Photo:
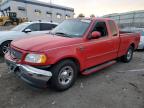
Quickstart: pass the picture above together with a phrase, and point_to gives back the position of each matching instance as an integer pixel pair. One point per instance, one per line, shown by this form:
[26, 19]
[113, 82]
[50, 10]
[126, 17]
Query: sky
[100, 7]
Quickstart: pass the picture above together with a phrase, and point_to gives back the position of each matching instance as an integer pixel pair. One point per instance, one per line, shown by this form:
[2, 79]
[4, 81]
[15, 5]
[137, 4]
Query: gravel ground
[118, 86]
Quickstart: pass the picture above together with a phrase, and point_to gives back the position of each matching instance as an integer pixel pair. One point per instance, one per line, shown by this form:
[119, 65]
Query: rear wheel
[64, 75]
[7, 24]
[128, 56]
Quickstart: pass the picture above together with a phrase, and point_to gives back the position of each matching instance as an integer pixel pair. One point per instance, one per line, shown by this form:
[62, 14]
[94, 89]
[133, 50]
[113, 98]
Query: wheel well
[72, 59]
[133, 45]
[6, 41]
[7, 22]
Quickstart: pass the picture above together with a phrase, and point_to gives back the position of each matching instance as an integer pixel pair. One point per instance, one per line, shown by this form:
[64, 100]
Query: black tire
[7, 24]
[2, 47]
[57, 71]
[128, 56]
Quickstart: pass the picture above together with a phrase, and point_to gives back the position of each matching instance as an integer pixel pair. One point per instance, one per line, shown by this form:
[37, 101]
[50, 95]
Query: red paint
[98, 68]
[87, 52]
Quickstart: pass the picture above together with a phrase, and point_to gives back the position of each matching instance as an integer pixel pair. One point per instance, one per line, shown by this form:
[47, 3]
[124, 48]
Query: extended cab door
[114, 32]
[99, 50]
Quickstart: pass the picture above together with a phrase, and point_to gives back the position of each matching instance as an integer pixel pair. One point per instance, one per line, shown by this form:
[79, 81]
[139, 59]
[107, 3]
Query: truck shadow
[80, 80]
[140, 50]
[2, 59]
[20, 86]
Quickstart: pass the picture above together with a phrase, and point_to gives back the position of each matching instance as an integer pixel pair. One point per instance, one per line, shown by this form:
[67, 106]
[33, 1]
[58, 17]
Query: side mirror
[95, 34]
[27, 30]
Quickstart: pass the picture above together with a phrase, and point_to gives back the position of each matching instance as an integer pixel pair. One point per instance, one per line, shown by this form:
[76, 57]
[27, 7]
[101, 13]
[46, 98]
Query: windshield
[72, 28]
[20, 27]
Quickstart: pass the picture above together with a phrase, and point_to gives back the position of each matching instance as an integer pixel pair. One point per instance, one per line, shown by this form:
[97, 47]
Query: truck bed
[128, 33]
[126, 38]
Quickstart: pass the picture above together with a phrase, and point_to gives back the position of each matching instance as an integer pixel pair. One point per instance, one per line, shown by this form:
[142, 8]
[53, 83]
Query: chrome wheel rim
[66, 75]
[129, 54]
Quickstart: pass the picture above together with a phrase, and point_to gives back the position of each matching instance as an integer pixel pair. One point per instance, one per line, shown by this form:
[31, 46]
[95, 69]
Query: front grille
[15, 54]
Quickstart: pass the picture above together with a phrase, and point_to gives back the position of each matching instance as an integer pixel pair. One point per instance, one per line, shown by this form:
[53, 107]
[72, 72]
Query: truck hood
[44, 42]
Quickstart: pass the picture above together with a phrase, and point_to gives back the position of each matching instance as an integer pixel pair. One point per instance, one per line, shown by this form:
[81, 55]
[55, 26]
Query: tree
[81, 15]
[1, 1]
[92, 16]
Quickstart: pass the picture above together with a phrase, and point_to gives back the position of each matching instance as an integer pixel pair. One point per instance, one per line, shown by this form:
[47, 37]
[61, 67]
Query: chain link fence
[4, 28]
[128, 19]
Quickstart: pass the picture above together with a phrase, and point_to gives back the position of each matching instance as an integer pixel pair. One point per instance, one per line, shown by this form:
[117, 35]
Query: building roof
[44, 4]
[124, 13]
[35, 2]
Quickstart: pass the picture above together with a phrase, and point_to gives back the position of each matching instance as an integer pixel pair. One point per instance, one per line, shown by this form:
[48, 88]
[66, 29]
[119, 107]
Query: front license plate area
[11, 66]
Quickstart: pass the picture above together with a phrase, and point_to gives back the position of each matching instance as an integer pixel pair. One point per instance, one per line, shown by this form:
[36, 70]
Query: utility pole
[51, 11]
[133, 20]
[50, 1]
[0, 4]
[1, 13]
[26, 9]
[0, 1]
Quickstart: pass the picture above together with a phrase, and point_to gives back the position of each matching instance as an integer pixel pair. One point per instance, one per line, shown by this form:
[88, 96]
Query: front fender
[57, 55]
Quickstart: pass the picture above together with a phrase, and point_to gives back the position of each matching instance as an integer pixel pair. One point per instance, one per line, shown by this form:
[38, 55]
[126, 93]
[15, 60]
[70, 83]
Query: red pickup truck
[75, 46]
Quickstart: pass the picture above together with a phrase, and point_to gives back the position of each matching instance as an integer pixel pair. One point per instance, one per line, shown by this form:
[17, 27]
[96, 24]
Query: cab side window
[34, 27]
[102, 28]
[113, 28]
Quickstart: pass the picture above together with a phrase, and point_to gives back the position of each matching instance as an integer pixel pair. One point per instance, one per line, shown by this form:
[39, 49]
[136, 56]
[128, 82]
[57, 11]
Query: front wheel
[7, 24]
[4, 48]
[128, 56]
[64, 75]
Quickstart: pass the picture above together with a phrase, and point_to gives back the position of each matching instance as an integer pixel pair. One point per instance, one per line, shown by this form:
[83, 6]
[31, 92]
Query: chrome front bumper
[31, 75]
[35, 73]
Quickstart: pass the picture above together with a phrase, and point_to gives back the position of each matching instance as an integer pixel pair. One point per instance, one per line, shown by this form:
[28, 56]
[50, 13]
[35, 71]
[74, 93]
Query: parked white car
[137, 30]
[22, 31]
[141, 44]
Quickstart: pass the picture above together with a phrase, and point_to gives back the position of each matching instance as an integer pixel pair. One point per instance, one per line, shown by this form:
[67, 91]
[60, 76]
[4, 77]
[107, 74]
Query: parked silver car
[22, 31]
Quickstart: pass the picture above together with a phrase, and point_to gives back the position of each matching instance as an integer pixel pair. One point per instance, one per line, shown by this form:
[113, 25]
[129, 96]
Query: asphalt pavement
[118, 86]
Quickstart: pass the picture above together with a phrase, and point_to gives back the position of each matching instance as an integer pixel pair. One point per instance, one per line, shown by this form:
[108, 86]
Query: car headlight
[36, 58]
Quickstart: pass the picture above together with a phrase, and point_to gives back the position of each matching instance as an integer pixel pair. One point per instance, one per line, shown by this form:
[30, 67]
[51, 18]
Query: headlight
[36, 58]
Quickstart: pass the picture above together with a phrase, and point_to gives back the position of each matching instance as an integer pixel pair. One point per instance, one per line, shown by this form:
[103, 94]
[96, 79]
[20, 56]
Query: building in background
[128, 19]
[35, 10]
[1, 1]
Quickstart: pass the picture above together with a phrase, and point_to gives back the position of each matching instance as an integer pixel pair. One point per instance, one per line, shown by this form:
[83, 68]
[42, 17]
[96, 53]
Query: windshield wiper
[62, 34]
